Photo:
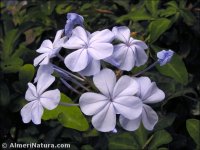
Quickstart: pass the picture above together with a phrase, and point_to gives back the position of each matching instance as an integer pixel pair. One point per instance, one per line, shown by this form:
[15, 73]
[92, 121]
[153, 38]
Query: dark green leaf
[152, 6]
[193, 126]
[188, 17]
[141, 135]
[167, 12]
[175, 69]
[160, 138]
[26, 73]
[124, 141]
[68, 116]
[157, 28]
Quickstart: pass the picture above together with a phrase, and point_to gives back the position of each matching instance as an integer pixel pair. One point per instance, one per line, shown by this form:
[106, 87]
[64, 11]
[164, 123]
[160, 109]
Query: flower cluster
[127, 97]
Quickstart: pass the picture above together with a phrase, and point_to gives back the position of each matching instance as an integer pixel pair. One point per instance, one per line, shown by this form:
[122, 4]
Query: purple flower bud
[164, 56]
[72, 20]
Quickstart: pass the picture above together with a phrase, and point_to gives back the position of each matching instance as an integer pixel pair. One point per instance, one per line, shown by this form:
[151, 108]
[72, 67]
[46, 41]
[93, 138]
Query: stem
[69, 86]
[67, 72]
[60, 57]
[146, 69]
[147, 142]
[67, 104]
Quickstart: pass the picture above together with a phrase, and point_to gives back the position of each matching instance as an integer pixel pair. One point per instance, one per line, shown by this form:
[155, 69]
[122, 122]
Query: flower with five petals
[38, 99]
[116, 98]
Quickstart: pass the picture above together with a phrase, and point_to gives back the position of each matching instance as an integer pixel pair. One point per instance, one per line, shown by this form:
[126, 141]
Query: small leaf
[157, 28]
[26, 73]
[160, 138]
[68, 116]
[188, 17]
[167, 12]
[141, 135]
[124, 141]
[152, 6]
[193, 126]
[175, 69]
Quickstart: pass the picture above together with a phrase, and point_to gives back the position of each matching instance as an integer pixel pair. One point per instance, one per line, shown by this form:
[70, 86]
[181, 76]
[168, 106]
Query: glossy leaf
[68, 116]
[124, 141]
[160, 138]
[157, 28]
[193, 126]
[175, 69]
[26, 73]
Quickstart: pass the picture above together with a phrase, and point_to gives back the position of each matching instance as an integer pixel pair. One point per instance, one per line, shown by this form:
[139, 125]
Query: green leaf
[152, 6]
[175, 69]
[165, 121]
[136, 16]
[26, 73]
[141, 135]
[4, 94]
[63, 8]
[68, 116]
[124, 141]
[188, 17]
[11, 65]
[172, 4]
[157, 28]
[193, 126]
[167, 12]
[160, 138]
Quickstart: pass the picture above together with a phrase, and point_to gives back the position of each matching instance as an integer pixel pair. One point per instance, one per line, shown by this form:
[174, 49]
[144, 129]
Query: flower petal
[156, 95]
[37, 111]
[91, 103]
[31, 93]
[130, 125]
[58, 35]
[100, 50]
[92, 68]
[105, 81]
[40, 58]
[103, 36]
[149, 117]
[50, 99]
[26, 112]
[139, 43]
[77, 60]
[48, 69]
[125, 86]
[44, 81]
[121, 33]
[74, 42]
[144, 86]
[128, 59]
[45, 47]
[128, 106]
[140, 55]
[105, 120]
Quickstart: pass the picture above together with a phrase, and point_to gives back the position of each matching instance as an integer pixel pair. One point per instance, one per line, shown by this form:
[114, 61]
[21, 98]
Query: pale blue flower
[117, 97]
[49, 50]
[38, 99]
[164, 56]
[149, 93]
[129, 53]
[90, 49]
[72, 20]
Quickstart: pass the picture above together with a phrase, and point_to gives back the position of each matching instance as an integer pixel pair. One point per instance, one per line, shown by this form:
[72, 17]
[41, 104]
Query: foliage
[166, 24]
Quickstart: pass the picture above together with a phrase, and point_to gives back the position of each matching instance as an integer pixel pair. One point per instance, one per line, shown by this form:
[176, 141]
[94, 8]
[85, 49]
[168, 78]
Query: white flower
[149, 93]
[38, 99]
[49, 50]
[47, 69]
[116, 98]
[128, 54]
[90, 48]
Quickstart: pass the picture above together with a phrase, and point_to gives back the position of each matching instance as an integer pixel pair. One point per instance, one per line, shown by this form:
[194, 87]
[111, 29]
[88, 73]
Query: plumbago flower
[38, 99]
[49, 50]
[129, 53]
[72, 20]
[164, 56]
[90, 48]
[149, 93]
[116, 98]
